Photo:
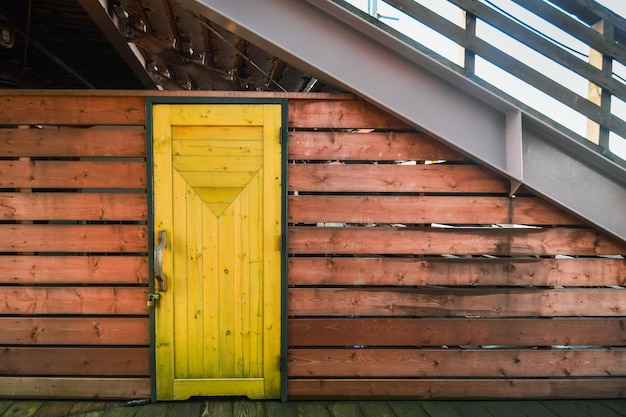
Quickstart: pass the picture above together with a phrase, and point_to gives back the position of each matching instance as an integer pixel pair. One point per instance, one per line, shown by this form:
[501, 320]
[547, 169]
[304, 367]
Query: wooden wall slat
[72, 142]
[349, 271]
[530, 332]
[466, 388]
[333, 146]
[431, 209]
[339, 114]
[63, 311]
[397, 209]
[74, 331]
[80, 361]
[455, 363]
[394, 178]
[533, 210]
[72, 110]
[449, 302]
[459, 241]
[73, 300]
[370, 271]
[74, 388]
[73, 206]
[118, 238]
[73, 174]
[37, 269]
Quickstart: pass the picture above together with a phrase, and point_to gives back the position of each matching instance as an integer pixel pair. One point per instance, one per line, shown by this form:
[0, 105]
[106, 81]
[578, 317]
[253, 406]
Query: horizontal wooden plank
[179, 93]
[458, 241]
[418, 209]
[75, 361]
[34, 269]
[73, 174]
[74, 331]
[340, 271]
[340, 114]
[72, 110]
[371, 146]
[215, 147]
[196, 136]
[74, 388]
[229, 114]
[531, 210]
[409, 302]
[72, 142]
[205, 164]
[397, 209]
[219, 387]
[456, 332]
[74, 206]
[117, 238]
[456, 363]
[216, 179]
[466, 388]
[73, 300]
[436, 178]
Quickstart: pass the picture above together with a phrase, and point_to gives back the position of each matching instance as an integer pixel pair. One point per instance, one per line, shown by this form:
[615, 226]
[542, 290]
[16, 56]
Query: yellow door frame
[153, 244]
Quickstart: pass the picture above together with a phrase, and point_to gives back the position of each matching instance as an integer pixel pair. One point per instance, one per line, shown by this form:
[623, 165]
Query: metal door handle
[158, 260]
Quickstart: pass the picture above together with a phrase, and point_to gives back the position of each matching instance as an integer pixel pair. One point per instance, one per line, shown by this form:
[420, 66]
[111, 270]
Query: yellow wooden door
[217, 196]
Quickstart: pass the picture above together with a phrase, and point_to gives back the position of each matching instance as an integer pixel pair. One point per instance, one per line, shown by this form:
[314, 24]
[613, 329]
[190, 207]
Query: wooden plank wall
[73, 254]
[406, 277]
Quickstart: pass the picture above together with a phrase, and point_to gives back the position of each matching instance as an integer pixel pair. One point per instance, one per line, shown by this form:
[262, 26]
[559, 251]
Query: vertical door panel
[217, 193]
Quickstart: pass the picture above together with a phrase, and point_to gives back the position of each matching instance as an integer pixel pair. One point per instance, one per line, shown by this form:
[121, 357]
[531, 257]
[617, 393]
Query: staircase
[345, 46]
[562, 61]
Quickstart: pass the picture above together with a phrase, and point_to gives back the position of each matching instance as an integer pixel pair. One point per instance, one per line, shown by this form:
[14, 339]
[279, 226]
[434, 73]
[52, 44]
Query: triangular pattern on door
[218, 199]
[224, 187]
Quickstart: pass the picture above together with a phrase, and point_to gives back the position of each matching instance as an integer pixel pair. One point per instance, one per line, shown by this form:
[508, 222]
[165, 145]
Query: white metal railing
[563, 62]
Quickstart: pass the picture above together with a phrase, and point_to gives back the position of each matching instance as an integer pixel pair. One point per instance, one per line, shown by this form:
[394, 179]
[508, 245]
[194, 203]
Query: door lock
[152, 298]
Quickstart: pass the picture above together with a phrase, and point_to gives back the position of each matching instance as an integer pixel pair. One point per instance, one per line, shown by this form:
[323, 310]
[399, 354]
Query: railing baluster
[605, 40]
[601, 96]
[470, 32]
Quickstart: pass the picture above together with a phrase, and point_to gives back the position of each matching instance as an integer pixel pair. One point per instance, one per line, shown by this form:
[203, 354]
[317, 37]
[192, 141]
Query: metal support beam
[339, 47]
[574, 179]
[129, 53]
[513, 134]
